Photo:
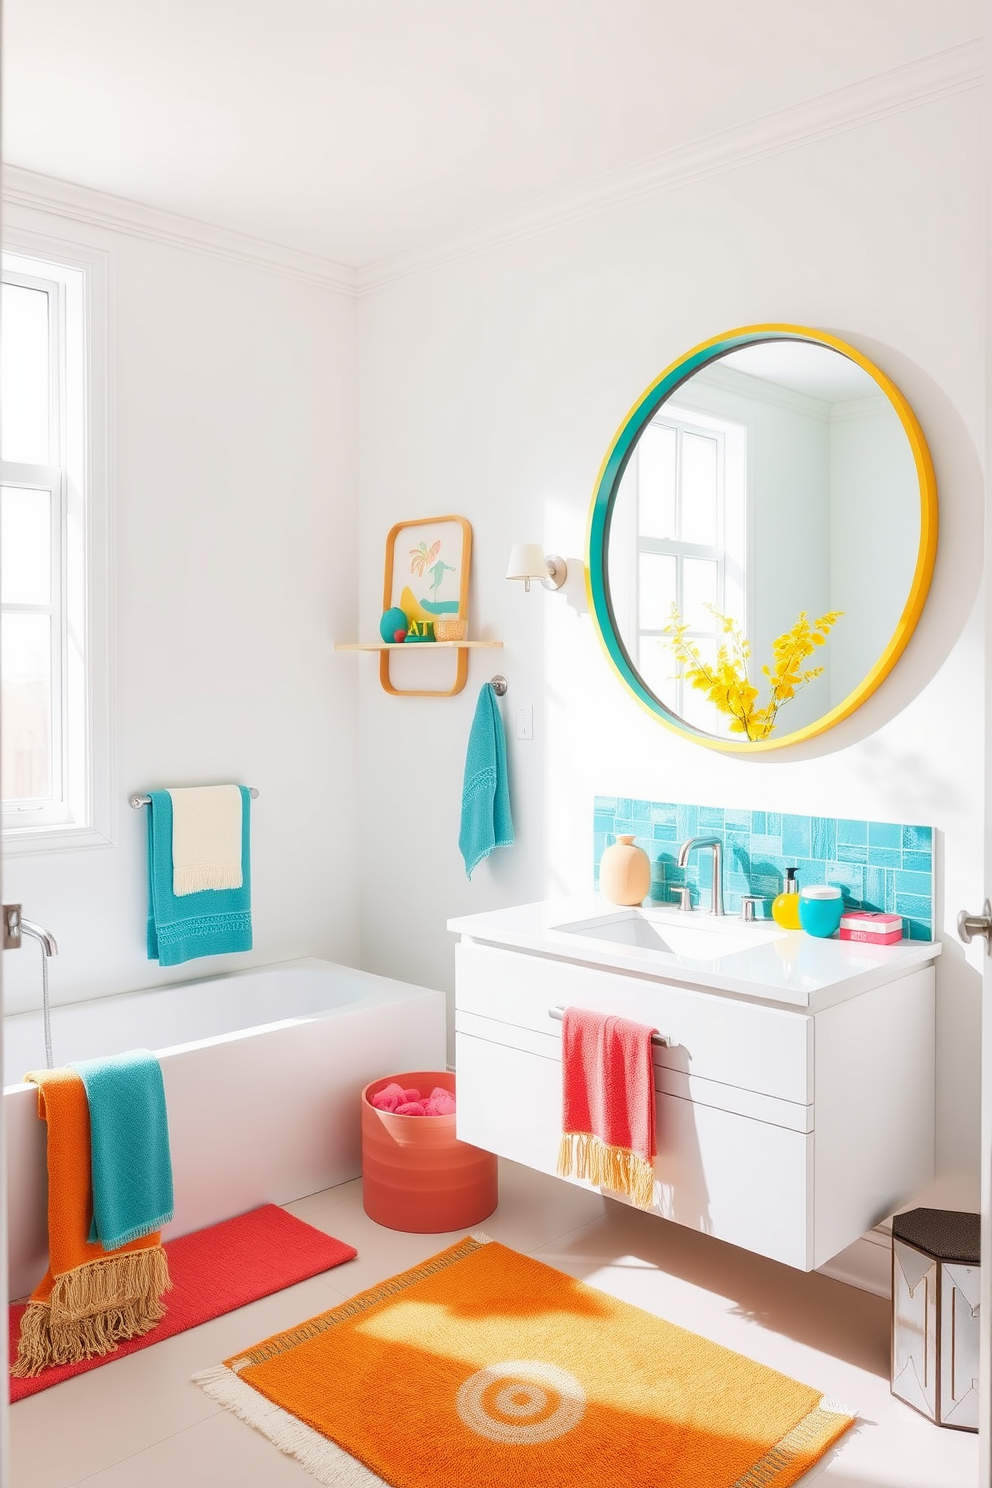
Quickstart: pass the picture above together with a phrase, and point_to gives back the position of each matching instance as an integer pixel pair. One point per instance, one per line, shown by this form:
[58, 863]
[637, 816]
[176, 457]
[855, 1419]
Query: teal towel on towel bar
[486, 821]
[129, 1146]
[211, 922]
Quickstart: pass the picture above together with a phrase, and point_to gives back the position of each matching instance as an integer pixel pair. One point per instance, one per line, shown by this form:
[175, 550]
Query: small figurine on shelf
[394, 625]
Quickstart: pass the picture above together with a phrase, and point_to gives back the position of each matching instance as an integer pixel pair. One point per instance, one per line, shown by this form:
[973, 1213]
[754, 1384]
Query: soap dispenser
[785, 909]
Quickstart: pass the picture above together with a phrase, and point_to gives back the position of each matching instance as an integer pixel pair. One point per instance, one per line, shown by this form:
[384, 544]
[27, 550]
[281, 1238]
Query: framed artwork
[426, 576]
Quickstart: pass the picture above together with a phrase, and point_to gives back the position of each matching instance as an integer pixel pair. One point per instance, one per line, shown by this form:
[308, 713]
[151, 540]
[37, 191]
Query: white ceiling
[360, 129]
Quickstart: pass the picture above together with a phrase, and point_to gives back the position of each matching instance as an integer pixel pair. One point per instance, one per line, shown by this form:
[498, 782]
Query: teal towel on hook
[212, 922]
[486, 822]
[129, 1146]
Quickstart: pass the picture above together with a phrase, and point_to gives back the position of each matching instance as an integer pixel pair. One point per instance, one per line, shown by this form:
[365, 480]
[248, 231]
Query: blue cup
[820, 909]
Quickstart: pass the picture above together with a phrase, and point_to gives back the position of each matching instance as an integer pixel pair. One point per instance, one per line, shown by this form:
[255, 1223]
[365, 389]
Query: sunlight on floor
[141, 1421]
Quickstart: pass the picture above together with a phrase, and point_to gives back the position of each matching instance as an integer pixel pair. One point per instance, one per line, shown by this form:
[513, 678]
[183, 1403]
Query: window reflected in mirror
[762, 538]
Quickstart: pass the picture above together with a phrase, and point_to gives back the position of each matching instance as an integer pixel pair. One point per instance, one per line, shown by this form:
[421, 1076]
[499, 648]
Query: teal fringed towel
[131, 1165]
[486, 821]
[211, 922]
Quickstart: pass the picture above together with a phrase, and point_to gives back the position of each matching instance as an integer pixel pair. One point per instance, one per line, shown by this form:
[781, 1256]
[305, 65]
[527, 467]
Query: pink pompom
[410, 1108]
[412, 1095]
[442, 1091]
[388, 1098]
[442, 1104]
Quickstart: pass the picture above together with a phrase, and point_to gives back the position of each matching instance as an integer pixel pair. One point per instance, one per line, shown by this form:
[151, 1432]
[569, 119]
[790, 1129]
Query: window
[52, 535]
[683, 508]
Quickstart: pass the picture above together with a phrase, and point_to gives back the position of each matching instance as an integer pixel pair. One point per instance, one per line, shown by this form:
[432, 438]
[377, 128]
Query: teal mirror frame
[611, 474]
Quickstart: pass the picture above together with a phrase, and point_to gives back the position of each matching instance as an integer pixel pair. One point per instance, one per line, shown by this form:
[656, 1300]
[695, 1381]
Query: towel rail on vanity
[660, 1039]
[137, 800]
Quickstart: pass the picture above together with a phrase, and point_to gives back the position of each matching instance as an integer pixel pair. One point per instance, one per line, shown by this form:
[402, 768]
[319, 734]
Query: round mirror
[762, 538]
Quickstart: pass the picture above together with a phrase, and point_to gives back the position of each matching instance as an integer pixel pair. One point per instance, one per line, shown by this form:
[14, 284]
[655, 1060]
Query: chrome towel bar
[656, 1038]
[137, 800]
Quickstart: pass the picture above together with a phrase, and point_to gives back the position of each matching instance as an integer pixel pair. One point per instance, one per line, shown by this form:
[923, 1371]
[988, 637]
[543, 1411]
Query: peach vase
[624, 873]
[416, 1175]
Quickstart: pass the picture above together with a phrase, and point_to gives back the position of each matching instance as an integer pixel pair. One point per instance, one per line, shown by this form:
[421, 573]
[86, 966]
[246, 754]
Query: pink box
[874, 929]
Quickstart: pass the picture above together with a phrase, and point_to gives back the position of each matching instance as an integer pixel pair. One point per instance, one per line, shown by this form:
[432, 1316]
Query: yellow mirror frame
[611, 473]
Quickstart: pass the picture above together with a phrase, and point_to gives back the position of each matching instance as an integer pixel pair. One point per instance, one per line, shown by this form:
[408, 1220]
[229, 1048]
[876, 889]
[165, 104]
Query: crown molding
[956, 70]
[39, 193]
[745, 385]
[942, 75]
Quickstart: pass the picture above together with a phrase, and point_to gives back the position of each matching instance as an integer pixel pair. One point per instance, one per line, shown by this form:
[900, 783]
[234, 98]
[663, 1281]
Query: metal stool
[936, 1283]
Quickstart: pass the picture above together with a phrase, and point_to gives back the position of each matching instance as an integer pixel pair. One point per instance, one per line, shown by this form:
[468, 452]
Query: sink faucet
[716, 899]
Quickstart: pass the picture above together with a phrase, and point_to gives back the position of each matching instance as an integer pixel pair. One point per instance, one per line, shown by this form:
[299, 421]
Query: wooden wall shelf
[413, 645]
[384, 647]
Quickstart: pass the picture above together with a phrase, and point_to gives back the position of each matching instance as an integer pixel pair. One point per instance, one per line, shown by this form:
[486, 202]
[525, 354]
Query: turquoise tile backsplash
[879, 865]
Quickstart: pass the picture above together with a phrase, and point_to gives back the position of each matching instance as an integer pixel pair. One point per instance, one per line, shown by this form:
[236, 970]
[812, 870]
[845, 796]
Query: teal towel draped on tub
[212, 922]
[486, 822]
[129, 1146]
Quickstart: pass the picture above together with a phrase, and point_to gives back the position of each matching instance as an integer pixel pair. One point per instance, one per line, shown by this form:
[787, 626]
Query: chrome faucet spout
[49, 948]
[716, 897]
[47, 940]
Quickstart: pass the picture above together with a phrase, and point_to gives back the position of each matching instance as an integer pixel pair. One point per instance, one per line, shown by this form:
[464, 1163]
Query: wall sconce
[529, 561]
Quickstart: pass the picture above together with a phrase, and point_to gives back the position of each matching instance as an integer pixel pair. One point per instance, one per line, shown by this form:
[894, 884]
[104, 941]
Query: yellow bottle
[785, 909]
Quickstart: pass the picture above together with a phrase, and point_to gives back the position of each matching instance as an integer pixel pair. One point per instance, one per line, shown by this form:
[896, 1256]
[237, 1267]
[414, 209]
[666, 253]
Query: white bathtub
[262, 1071]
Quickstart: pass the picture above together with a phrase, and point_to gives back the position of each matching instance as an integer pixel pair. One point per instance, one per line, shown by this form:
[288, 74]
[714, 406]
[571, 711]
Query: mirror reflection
[763, 539]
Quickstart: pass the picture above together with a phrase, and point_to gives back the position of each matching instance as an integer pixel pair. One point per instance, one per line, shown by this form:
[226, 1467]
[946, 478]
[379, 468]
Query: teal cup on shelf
[820, 909]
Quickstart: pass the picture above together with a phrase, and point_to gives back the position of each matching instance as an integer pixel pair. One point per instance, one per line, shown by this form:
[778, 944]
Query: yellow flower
[726, 682]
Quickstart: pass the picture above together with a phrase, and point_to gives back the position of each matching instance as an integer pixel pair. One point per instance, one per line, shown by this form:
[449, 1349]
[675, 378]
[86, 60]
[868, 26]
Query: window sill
[18, 841]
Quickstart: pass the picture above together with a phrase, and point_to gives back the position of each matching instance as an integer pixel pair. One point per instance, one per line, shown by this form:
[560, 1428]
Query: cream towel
[206, 838]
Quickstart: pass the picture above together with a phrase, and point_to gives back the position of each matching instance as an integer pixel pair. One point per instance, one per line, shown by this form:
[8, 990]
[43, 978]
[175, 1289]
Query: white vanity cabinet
[788, 1127]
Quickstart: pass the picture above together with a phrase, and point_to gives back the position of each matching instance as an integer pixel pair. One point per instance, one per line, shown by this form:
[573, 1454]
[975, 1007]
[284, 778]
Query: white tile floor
[140, 1423]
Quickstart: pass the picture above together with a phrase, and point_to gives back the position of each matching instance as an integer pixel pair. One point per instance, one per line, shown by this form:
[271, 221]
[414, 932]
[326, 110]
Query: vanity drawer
[744, 1181]
[667, 1081]
[757, 1048]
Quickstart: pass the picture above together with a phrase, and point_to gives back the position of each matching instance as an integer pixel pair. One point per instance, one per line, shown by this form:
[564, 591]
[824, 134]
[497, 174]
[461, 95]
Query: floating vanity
[794, 1077]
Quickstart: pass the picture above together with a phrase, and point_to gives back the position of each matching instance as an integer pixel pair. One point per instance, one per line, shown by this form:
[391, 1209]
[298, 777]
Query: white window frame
[690, 421]
[52, 479]
[84, 816]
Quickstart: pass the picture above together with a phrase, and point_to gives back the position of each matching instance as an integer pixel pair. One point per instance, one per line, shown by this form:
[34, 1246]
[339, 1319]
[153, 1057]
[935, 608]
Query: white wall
[233, 441]
[493, 387]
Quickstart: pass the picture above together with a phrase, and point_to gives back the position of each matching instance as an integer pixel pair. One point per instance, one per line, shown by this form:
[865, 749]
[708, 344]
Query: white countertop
[723, 954]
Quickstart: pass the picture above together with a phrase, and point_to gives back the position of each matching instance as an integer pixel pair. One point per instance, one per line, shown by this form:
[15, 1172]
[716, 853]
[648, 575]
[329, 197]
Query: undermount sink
[690, 939]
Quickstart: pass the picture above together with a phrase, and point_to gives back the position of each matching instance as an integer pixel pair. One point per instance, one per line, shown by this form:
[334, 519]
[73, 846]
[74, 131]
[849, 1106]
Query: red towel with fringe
[608, 1118]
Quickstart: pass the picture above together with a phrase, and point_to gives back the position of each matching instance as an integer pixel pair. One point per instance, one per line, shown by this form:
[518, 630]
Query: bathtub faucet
[14, 927]
[46, 939]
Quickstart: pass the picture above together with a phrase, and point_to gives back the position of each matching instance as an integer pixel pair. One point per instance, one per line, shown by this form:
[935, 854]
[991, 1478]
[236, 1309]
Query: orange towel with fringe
[89, 1299]
[608, 1126]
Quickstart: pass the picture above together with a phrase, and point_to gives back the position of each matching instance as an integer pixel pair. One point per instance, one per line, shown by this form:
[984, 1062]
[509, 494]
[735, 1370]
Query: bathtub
[262, 1070]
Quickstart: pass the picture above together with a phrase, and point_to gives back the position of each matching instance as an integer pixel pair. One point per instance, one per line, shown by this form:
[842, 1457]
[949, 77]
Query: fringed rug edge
[787, 1461]
[322, 1458]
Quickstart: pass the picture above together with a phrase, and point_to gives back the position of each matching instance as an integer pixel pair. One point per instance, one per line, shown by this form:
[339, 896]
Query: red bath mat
[213, 1271]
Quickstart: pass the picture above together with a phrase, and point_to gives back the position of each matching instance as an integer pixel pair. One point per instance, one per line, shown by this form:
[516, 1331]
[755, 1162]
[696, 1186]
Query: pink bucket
[416, 1175]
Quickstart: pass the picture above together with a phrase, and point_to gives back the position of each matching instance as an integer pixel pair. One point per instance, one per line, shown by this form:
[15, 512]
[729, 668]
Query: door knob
[970, 925]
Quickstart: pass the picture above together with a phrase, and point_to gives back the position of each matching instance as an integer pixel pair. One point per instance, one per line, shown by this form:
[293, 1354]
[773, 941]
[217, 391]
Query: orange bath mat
[485, 1367]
